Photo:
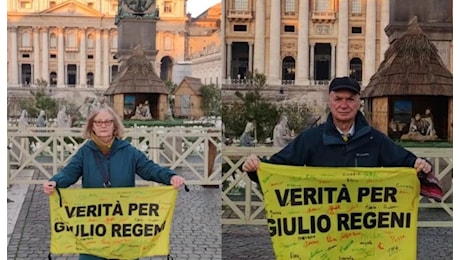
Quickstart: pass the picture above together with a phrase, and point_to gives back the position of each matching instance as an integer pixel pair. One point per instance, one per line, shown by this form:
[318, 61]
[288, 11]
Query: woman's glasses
[106, 123]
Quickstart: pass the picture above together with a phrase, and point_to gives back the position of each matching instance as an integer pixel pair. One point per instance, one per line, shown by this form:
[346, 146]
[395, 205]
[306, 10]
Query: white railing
[242, 199]
[196, 151]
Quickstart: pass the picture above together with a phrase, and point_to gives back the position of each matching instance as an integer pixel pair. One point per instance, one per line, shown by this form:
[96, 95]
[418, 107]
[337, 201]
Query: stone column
[250, 60]
[275, 45]
[342, 40]
[13, 78]
[332, 60]
[302, 67]
[97, 54]
[312, 62]
[384, 21]
[222, 40]
[45, 55]
[61, 53]
[259, 41]
[36, 48]
[105, 59]
[369, 57]
[229, 59]
[83, 57]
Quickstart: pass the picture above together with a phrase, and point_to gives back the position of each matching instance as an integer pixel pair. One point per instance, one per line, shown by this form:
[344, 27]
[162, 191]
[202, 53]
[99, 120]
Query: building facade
[307, 42]
[72, 44]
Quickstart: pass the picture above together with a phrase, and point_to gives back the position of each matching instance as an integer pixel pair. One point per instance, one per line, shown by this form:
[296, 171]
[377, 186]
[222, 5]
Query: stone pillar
[36, 48]
[369, 57]
[302, 67]
[259, 42]
[384, 21]
[97, 53]
[222, 40]
[333, 60]
[275, 45]
[229, 59]
[105, 59]
[45, 55]
[83, 57]
[250, 60]
[342, 40]
[13, 79]
[312, 62]
[61, 53]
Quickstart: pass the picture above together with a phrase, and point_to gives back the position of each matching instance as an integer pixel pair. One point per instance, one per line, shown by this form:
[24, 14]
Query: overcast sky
[196, 7]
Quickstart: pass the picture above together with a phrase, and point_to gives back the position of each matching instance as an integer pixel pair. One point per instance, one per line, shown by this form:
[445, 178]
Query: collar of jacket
[117, 144]
[332, 136]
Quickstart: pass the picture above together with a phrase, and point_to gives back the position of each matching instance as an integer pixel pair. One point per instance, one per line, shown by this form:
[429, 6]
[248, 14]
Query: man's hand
[422, 165]
[251, 164]
[177, 181]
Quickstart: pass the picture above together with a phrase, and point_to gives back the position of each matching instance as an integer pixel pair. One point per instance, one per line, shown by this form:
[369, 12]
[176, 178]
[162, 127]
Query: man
[346, 140]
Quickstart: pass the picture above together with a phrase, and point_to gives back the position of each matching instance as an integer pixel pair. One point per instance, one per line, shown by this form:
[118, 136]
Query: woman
[108, 161]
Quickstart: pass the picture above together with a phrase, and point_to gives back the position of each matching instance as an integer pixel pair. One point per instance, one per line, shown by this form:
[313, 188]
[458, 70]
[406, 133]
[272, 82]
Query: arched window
[53, 41]
[356, 69]
[90, 79]
[90, 41]
[53, 79]
[288, 69]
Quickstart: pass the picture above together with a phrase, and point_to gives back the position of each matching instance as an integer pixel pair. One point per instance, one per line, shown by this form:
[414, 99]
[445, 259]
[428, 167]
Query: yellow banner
[341, 213]
[121, 223]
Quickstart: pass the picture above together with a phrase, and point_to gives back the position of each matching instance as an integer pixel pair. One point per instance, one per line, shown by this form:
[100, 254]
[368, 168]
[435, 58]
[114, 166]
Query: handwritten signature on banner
[341, 213]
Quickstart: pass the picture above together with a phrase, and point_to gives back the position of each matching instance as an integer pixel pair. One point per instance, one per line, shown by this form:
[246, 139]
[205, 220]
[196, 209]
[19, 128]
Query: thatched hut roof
[137, 76]
[412, 66]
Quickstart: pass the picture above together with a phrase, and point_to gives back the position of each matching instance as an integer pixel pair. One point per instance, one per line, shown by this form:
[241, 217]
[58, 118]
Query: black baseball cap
[345, 83]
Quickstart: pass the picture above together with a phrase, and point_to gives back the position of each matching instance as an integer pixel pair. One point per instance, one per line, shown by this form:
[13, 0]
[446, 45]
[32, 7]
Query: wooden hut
[187, 98]
[411, 79]
[137, 86]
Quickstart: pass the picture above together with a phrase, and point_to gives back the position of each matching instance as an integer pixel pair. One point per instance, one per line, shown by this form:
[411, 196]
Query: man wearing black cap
[344, 140]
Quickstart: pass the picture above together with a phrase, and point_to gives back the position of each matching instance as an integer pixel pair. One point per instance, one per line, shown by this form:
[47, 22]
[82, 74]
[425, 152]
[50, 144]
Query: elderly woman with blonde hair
[106, 160]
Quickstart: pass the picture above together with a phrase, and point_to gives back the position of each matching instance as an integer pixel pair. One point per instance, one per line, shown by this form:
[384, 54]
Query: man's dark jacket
[323, 146]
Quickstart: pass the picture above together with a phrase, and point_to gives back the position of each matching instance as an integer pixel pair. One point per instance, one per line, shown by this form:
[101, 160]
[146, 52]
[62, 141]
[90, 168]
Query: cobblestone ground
[253, 242]
[196, 230]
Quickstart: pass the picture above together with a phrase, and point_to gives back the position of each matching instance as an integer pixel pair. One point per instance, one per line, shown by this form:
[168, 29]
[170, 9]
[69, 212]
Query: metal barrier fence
[196, 150]
[242, 200]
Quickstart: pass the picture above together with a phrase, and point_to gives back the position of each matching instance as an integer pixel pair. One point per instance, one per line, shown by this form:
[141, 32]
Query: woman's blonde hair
[118, 128]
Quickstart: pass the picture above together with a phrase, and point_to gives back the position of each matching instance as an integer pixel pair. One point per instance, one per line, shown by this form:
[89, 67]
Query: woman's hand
[421, 165]
[177, 181]
[49, 186]
[251, 164]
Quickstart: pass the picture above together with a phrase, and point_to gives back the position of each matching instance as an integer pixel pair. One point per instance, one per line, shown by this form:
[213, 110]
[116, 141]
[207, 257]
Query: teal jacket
[121, 165]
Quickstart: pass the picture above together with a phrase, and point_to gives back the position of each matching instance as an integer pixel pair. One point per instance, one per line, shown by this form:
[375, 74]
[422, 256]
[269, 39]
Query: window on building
[90, 79]
[289, 6]
[25, 4]
[26, 39]
[356, 30]
[53, 41]
[26, 74]
[71, 40]
[71, 75]
[53, 56]
[167, 43]
[356, 69]
[289, 28]
[288, 68]
[90, 41]
[241, 5]
[25, 55]
[322, 5]
[356, 7]
[90, 57]
[239, 28]
[53, 79]
[167, 7]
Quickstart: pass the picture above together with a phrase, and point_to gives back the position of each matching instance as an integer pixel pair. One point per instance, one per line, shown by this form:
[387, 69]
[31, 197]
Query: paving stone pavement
[196, 230]
[253, 242]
